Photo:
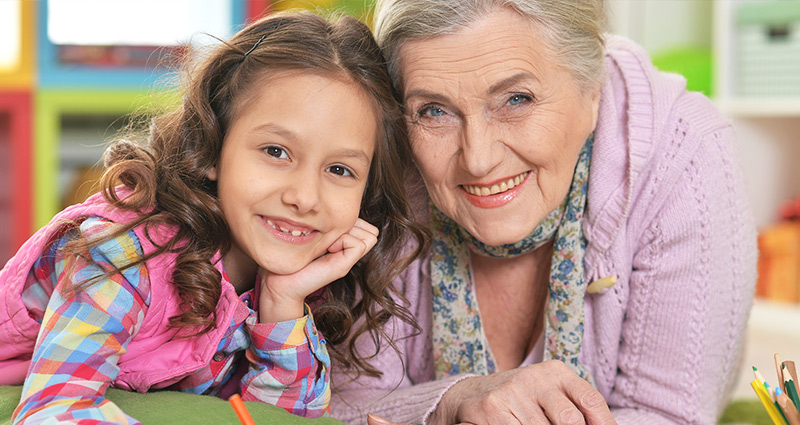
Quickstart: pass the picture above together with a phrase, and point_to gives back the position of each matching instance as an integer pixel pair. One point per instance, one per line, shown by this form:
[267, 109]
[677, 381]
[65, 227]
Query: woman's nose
[302, 194]
[479, 150]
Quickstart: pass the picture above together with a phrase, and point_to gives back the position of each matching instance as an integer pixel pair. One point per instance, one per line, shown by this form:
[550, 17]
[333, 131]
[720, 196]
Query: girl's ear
[212, 174]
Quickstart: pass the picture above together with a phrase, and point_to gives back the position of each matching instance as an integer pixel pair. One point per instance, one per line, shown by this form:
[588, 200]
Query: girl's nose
[302, 194]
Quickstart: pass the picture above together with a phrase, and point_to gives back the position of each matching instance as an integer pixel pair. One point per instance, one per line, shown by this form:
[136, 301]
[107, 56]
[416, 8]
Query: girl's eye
[340, 170]
[432, 111]
[276, 152]
[518, 99]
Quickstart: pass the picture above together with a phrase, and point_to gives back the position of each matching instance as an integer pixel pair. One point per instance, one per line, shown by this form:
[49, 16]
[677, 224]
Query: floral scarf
[459, 343]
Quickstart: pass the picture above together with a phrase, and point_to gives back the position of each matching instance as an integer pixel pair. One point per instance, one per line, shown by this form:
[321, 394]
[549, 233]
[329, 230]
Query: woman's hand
[282, 296]
[544, 393]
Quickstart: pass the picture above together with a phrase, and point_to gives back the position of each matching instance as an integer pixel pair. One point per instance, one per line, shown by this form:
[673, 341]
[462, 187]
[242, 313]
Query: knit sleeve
[85, 330]
[691, 286]
[289, 366]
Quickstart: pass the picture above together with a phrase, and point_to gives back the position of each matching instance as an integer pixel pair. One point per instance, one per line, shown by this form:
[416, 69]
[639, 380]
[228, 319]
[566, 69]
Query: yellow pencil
[772, 411]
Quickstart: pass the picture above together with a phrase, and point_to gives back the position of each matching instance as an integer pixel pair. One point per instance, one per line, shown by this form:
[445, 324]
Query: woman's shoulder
[653, 100]
[649, 128]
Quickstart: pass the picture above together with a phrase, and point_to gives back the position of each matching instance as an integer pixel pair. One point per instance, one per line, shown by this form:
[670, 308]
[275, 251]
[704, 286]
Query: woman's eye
[276, 152]
[518, 99]
[432, 111]
[340, 170]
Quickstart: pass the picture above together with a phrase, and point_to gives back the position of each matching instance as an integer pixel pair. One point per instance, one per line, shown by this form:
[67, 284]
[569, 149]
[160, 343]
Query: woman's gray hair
[573, 28]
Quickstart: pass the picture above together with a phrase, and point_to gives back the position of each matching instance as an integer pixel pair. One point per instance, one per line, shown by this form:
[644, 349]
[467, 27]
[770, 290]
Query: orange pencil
[241, 410]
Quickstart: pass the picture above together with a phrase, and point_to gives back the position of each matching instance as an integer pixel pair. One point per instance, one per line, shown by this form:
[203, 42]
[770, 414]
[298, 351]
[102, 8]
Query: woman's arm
[407, 392]
[690, 290]
[84, 332]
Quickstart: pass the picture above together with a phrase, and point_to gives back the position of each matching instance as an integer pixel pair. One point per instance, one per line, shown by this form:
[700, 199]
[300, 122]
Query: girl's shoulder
[123, 252]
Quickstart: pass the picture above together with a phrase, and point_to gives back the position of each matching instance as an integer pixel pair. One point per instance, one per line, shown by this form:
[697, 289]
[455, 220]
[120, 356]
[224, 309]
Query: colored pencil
[789, 366]
[241, 410]
[790, 413]
[772, 411]
[791, 390]
[779, 370]
[774, 396]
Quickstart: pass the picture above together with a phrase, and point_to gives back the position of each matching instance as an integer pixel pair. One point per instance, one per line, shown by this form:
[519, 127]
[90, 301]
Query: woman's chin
[496, 237]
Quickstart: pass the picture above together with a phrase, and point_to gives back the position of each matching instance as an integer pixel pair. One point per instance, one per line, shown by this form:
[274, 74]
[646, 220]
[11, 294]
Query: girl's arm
[289, 361]
[84, 331]
[289, 366]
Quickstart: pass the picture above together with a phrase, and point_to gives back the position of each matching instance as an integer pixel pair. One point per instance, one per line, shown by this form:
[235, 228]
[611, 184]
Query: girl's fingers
[362, 224]
[362, 231]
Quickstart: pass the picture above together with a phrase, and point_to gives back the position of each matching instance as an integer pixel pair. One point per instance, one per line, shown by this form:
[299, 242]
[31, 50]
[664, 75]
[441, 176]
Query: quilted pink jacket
[154, 356]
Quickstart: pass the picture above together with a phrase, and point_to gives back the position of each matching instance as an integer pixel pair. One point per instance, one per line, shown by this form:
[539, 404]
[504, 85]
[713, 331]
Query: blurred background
[72, 72]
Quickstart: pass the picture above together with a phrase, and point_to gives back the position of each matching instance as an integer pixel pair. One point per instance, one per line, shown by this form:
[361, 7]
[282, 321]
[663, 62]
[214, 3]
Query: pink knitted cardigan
[668, 215]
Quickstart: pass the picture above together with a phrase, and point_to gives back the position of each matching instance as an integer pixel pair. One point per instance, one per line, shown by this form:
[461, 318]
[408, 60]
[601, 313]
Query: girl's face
[496, 124]
[292, 171]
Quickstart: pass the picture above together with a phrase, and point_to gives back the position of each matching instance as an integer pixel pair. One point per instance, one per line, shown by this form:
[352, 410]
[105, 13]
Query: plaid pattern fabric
[84, 332]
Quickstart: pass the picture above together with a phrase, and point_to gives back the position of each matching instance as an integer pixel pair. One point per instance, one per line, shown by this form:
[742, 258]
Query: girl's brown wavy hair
[167, 179]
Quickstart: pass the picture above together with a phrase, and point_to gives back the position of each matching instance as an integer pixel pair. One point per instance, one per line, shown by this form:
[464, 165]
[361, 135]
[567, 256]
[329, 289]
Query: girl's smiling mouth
[289, 231]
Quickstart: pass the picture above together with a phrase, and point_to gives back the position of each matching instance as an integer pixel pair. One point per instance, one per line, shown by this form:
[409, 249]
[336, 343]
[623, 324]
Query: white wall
[770, 147]
[660, 24]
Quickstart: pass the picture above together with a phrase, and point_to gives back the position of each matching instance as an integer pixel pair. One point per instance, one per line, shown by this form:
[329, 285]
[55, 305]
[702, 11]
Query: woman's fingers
[545, 393]
[592, 405]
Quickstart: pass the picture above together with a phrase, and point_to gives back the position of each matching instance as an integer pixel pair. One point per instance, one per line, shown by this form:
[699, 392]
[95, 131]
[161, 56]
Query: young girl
[194, 272]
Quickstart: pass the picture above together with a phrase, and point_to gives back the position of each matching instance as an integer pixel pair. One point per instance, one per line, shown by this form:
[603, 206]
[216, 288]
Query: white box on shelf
[767, 48]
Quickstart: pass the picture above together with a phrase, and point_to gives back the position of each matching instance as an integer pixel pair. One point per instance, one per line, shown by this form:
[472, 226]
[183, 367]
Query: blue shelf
[53, 74]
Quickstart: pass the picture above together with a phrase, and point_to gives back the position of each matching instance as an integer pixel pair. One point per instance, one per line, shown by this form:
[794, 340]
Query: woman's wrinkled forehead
[499, 42]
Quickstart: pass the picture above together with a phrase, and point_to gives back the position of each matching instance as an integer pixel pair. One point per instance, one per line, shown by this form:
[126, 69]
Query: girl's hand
[544, 393]
[282, 296]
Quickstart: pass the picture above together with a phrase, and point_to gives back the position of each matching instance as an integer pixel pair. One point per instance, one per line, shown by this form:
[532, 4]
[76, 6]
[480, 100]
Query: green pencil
[792, 392]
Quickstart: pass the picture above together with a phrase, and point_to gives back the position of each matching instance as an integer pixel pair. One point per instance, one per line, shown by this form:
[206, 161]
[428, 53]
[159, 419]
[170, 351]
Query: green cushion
[172, 407]
[745, 412]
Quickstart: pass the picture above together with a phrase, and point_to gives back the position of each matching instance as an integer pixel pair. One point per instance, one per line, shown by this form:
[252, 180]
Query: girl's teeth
[287, 231]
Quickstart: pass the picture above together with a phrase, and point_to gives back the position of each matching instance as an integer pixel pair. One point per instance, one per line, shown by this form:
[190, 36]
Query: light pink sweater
[667, 214]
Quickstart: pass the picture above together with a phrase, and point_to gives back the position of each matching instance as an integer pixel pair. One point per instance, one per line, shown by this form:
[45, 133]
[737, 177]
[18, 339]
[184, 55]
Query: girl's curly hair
[167, 184]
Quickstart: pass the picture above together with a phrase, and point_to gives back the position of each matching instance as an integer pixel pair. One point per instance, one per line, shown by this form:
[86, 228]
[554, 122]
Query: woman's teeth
[287, 231]
[495, 188]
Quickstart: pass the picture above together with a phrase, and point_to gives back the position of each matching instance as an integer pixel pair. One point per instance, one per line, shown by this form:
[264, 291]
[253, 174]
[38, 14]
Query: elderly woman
[593, 255]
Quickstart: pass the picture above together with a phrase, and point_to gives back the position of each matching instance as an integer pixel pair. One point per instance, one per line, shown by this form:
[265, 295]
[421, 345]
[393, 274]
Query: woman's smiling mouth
[496, 194]
[493, 189]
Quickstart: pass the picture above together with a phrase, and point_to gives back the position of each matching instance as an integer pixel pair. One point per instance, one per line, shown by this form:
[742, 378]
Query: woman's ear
[595, 99]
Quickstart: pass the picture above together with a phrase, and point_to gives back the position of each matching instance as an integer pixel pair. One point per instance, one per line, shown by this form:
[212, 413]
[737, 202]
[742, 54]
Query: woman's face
[496, 124]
